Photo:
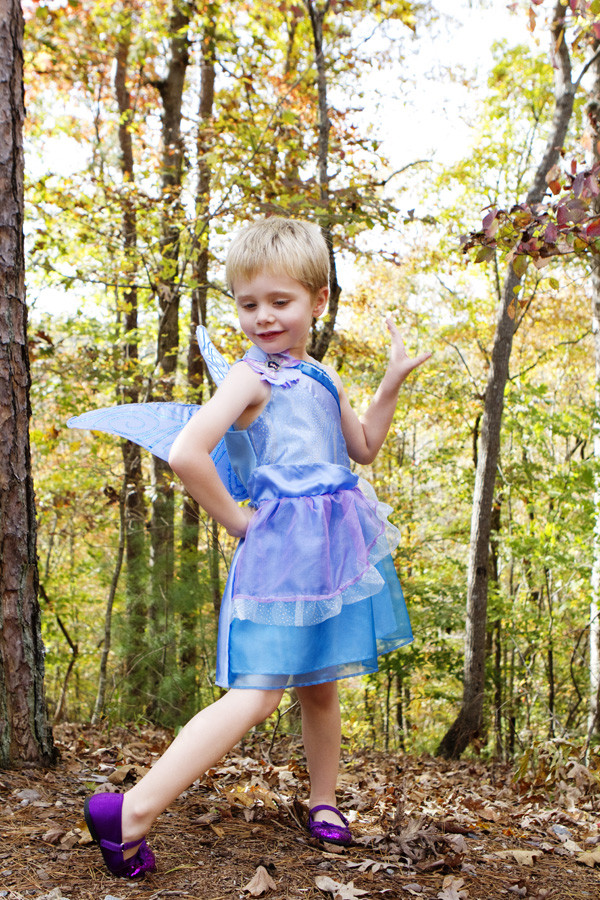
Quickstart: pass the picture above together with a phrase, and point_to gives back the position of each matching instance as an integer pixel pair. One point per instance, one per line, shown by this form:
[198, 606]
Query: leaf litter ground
[423, 828]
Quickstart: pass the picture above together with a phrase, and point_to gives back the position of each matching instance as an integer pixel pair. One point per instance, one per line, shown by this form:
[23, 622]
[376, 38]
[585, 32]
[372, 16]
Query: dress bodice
[299, 426]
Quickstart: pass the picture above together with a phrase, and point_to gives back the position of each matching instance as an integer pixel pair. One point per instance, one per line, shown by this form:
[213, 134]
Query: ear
[320, 301]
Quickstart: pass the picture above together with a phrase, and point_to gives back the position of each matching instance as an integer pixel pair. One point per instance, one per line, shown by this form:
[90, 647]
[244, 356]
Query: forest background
[179, 125]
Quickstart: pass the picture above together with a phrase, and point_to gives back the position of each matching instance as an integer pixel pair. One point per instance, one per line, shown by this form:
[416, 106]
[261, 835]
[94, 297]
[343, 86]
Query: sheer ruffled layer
[293, 569]
[251, 655]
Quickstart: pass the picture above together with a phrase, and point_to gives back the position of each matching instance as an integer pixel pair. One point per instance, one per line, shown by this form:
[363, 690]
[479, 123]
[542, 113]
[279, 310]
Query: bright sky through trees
[420, 107]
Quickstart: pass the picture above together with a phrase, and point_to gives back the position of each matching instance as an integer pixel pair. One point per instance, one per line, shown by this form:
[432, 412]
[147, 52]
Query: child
[312, 594]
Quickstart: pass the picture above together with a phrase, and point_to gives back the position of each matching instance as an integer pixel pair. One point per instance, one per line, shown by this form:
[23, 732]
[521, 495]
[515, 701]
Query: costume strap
[315, 371]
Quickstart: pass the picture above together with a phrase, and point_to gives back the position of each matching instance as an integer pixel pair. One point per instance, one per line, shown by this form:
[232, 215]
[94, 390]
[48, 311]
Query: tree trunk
[136, 586]
[469, 720]
[25, 734]
[61, 706]
[594, 695]
[321, 337]
[108, 614]
[548, 589]
[163, 507]
[195, 368]
[495, 630]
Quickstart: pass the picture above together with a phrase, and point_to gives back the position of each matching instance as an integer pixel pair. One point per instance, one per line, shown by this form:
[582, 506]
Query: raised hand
[401, 364]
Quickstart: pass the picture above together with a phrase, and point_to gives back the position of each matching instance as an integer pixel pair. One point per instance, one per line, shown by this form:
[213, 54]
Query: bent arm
[364, 436]
[190, 454]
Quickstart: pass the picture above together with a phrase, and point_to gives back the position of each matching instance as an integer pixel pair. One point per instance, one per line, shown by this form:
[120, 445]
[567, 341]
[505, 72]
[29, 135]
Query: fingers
[395, 335]
[391, 325]
[423, 357]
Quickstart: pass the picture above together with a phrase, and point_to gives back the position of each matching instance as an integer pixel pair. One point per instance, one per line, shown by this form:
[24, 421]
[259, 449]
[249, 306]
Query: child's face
[276, 312]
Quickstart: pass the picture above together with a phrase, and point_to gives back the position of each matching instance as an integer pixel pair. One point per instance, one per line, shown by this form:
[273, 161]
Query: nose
[264, 313]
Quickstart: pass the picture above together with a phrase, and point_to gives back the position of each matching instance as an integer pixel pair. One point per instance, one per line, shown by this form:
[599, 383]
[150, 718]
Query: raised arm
[364, 436]
[241, 391]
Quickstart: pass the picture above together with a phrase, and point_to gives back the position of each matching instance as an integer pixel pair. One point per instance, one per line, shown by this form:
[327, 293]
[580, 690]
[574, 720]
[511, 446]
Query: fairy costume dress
[312, 593]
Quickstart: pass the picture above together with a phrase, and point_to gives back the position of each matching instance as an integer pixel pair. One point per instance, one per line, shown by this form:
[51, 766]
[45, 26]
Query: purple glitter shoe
[103, 818]
[327, 831]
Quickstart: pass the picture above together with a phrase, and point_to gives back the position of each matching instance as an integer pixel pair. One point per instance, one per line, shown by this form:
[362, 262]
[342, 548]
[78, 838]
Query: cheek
[243, 320]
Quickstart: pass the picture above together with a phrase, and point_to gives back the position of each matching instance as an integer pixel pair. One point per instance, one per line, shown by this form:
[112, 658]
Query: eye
[283, 301]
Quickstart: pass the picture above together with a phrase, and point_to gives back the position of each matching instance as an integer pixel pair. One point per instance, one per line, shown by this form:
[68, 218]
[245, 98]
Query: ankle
[136, 818]
[325, 814]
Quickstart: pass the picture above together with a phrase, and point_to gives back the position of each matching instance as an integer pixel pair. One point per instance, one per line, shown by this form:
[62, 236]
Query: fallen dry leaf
[457, 842]
[340, 891]
[69, 839]
[132, 772]
[54, 836]
[589, 857]
[239, 796]
[451, 889]
[260, 883]
[365, 865]
[522, 857]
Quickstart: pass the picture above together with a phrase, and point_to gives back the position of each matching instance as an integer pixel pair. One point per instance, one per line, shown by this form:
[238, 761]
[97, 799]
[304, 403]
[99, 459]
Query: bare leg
[198, 746]
[322, 735]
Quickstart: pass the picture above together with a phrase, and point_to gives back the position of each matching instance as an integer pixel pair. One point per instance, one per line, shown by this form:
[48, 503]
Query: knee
[319, 696]
[265, 704]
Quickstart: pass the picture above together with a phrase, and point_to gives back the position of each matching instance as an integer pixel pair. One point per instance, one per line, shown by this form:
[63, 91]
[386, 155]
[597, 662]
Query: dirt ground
[423, 828]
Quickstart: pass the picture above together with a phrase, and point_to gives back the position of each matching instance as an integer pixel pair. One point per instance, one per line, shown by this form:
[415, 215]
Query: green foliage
[260, 146]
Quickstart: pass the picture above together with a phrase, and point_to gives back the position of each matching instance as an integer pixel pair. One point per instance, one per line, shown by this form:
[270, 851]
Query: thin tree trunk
[135, 512]
[400, 717]
[468, 723]
[321, 337]
[214, 556]
[61, 706]
[162, 524]
[25, 734]
[195, 368]
[594, 639]
[103, 673]
[496, 628]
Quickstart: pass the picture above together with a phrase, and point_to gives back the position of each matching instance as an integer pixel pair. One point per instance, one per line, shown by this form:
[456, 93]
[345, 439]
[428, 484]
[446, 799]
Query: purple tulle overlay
[316, 573]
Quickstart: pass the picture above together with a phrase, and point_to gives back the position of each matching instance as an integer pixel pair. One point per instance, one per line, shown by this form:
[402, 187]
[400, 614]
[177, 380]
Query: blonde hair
[280, 245]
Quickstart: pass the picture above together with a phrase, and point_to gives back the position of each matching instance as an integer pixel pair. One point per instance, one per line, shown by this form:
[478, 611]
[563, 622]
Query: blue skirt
[312, 594]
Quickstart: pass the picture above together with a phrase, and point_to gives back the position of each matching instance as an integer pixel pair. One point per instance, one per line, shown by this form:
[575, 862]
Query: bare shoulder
[241, 390]
[253, 392]
[246, 383]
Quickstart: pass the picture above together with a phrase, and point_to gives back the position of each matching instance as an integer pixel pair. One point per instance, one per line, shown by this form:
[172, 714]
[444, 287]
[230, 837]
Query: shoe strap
[332, 809]
[118, 848]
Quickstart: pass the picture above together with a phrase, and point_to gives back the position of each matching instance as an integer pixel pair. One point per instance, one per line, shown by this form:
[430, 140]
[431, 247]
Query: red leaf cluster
[564, 223]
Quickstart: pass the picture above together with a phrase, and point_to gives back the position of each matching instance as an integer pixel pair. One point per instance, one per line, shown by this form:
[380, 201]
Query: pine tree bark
[468, 723]
[25, 734]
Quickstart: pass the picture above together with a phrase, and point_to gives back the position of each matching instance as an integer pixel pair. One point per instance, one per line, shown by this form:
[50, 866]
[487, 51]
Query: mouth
[268, 335]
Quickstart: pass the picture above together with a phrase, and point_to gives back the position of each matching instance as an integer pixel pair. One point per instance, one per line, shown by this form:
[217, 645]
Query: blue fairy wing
[151, 425]
[155, 426]
[216, 364]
